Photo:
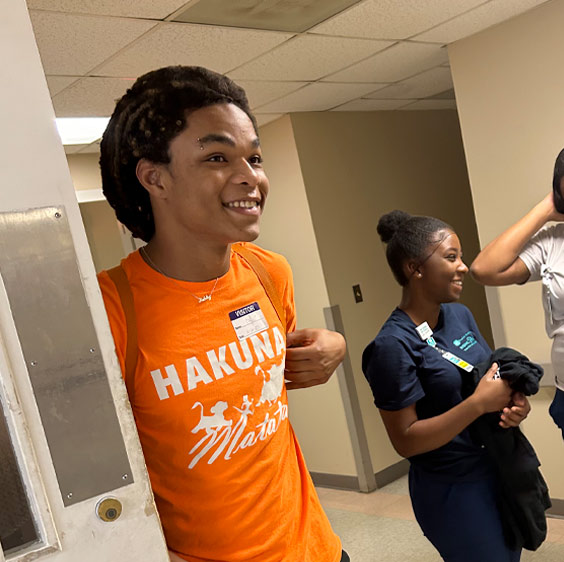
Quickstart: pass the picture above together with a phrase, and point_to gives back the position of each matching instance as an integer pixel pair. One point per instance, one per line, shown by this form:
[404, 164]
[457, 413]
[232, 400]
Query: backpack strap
[265, 279]
[118, 276]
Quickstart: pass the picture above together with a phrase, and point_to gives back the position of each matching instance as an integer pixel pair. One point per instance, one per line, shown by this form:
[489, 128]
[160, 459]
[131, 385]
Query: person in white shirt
[528, 252]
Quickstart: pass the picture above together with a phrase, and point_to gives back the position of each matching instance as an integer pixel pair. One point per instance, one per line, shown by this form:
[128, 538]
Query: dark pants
[461, 519]
[557, 410]
[345, 557]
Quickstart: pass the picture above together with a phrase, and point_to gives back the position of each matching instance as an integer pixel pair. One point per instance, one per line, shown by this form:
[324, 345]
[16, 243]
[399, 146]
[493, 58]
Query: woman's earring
[419, 274]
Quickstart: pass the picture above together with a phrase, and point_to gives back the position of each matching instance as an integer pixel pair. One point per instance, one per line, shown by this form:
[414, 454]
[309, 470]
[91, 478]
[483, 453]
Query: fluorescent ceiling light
[81, 130]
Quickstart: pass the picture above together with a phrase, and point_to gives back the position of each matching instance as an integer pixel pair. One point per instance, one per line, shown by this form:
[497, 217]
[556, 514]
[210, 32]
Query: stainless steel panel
[353, 414]
[17, 527]
[40, 272]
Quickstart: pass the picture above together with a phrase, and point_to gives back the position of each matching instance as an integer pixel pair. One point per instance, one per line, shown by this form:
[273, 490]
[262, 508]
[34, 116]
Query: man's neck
[188, 260]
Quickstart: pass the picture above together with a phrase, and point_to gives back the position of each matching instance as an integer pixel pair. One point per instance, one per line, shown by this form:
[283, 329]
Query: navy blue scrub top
[402, 369]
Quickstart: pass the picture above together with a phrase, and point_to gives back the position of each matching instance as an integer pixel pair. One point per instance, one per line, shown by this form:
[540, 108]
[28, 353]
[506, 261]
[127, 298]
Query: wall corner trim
[346, 482]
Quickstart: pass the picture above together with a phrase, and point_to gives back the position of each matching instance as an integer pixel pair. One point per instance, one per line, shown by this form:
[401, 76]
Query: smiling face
[442, 273]
[214, 188]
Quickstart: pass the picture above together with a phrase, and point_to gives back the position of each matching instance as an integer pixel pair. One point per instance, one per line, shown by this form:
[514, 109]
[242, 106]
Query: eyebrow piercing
[200, 143]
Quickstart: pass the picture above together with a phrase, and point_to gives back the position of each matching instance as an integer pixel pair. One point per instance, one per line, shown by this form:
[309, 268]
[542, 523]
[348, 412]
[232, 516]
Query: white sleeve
[535, 252]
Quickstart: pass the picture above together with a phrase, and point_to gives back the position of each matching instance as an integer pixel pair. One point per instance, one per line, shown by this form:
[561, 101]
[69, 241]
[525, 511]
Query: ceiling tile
[71, 44]
[308, 57]
[478, 19]
[426, 84]
[396, 63]
[260, 92]
[317, 97]
[263, 119]
[282, 15]
[431, 104]
[218, 48]
[371, 105]
[126, 8]
[393, 19]
[91, 97]
[59, 83]
[444, 95]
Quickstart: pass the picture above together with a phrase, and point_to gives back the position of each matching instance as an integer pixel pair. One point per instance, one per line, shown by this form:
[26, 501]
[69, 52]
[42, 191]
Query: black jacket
[523, 491]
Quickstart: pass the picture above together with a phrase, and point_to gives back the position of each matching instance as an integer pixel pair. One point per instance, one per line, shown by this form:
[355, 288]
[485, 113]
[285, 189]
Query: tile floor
[381, 527]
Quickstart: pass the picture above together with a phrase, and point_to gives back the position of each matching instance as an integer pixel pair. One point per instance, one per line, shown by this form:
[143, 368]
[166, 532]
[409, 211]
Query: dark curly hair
[557, 178]
[146, 119]
[408, 238]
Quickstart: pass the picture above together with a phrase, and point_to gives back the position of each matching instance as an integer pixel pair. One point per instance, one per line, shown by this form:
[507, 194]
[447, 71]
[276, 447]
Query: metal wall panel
[40, 272]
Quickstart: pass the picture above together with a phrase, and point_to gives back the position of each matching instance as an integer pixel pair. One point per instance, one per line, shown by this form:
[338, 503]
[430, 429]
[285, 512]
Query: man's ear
[151, 176]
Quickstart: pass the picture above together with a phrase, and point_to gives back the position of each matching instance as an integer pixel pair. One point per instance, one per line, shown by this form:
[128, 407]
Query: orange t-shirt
[211, 409]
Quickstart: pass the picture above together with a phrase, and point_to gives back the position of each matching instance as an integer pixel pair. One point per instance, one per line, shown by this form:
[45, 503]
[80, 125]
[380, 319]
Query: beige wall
[102, 231]
[85, 171]
[357, 166]
[510, 91]
[317, 414]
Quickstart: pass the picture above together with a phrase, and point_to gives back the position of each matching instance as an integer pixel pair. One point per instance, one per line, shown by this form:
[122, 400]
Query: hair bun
[389, 224]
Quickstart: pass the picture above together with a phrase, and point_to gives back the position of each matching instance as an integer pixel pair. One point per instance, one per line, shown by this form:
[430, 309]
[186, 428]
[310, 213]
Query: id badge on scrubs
[455, 360]
[426, 334]
[248, 321]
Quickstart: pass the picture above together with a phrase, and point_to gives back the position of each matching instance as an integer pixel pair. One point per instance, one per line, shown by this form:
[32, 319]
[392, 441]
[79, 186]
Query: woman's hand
[516, 412]
[552, 213]
[492, 395]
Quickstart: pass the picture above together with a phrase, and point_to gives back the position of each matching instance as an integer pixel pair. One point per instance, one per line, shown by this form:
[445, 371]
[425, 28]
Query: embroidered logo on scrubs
[466, 341]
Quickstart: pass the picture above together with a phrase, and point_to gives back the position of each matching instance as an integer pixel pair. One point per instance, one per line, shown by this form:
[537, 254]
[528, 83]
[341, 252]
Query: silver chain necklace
[205, 298]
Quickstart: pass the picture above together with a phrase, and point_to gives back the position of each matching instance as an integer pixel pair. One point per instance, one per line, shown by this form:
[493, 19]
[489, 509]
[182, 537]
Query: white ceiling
[373, 55]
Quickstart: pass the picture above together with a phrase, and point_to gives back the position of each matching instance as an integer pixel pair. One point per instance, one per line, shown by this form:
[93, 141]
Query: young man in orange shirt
[182, 167]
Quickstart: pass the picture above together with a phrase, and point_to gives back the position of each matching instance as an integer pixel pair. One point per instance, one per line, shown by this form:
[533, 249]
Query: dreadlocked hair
[146, 119]
[407, 237]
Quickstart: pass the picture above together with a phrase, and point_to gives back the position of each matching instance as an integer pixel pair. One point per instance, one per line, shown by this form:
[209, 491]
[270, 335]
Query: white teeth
[244, 204]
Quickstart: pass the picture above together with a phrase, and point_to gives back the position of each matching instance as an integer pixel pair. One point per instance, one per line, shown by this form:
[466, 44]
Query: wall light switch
[357, 293]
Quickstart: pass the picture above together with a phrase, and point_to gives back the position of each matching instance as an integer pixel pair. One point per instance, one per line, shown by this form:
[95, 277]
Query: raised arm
[412, 436]
[499, 263]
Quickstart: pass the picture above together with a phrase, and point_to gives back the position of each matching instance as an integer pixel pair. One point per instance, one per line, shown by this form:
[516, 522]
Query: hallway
[381, 527]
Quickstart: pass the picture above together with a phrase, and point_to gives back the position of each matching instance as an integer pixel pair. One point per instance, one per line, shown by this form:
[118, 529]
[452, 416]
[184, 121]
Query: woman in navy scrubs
[414, 368]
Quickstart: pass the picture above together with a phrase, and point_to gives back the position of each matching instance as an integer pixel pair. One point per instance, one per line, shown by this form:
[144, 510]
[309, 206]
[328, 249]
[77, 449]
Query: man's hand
[514, 414]
[312, 355]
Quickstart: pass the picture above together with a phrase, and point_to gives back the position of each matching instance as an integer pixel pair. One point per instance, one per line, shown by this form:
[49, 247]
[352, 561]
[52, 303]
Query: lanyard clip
[424, 331]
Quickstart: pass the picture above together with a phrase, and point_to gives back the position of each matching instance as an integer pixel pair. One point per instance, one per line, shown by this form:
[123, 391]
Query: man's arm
[312, 355]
